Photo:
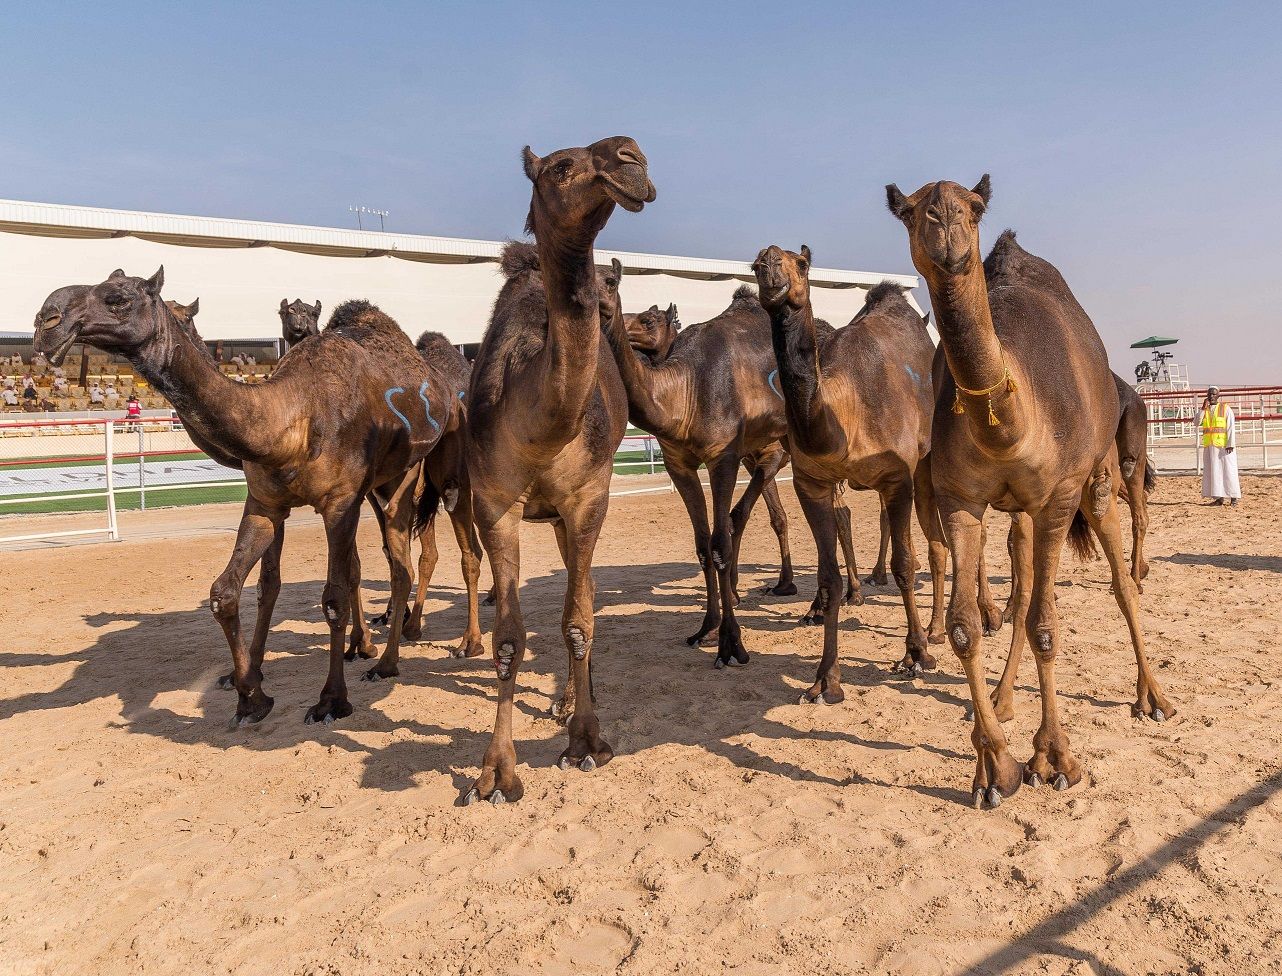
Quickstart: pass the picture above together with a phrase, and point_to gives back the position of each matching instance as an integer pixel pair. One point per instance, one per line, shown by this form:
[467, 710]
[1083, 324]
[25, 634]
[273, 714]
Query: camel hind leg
[341, 521]
[686, 482]
[786, 586]
[462, 521]
[817, 504]
[936, 548]
[723, 473]
[400, 518]
[879, 576]
[1149, 700]
[428, 556]
[991, 616]
[853, 593]
[898, 502]
[1020, 543]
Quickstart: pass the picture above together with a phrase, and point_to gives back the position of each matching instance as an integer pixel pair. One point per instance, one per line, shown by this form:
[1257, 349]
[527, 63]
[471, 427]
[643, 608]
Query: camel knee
[578, 641]
[224, 600]
[721, 550]
[964, 632]
[336, 603]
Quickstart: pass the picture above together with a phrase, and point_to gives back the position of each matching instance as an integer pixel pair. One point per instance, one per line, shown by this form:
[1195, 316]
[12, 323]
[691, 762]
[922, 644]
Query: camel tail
[426, 508]
[1080, 539]
[1150, 477]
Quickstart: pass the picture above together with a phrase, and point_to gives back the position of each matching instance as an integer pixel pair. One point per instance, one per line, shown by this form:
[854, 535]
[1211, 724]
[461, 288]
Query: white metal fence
[1175, 434]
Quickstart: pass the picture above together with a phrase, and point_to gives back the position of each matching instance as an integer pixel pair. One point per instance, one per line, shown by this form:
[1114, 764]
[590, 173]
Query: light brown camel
[350, 412]
[858, 405]
[1026, 417]
[546, 412]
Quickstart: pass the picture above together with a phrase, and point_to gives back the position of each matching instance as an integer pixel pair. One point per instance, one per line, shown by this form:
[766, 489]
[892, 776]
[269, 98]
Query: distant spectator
[10, 382]
[38, 360]
[133, 408]
[239, 378]
[16, 361]
[238, 359]
[60, 384]
[29, 393]
[111, 388]
[59, 372]
[28, 381]
[95, 393]
[250, 360]
[10, 396]
[48, 406]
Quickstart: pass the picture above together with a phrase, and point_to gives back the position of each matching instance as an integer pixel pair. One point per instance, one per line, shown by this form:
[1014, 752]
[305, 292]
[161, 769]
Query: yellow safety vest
[1215, 428]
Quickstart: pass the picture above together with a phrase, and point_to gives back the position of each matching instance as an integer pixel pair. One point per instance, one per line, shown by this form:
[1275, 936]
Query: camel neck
[965, 324]
[654, 391]
[796, 346]
[232, 417]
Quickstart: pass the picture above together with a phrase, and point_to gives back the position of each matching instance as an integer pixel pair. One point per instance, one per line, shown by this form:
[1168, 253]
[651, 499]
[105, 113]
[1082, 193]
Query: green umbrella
[1153, 342]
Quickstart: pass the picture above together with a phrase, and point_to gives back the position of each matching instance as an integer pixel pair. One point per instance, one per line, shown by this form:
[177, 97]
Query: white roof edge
[109, 222]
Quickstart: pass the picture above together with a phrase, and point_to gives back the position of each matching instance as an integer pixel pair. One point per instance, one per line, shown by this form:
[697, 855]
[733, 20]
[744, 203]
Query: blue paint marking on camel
[427, 407]
[913, 373]
[392, 407]
[770, 381]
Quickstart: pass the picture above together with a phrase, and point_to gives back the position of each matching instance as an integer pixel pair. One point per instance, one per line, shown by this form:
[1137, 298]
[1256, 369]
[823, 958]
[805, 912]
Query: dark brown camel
[546, 412]
[299, 321]
[1138, 476]
[1026, 416]
[350, 412]
[858, 405]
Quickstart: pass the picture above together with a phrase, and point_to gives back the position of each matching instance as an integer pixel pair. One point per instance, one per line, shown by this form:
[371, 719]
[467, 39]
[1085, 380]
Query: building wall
[240, 288]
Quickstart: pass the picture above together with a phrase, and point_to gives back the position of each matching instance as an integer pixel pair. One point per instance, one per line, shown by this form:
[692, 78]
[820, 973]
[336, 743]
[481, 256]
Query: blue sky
[1138, 146]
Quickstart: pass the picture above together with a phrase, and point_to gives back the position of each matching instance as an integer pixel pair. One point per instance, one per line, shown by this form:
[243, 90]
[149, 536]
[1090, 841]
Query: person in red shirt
[133, 409]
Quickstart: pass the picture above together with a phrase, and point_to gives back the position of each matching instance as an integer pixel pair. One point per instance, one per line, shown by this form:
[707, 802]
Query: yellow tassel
[957, 404]
[992, 417]
[1010, 383]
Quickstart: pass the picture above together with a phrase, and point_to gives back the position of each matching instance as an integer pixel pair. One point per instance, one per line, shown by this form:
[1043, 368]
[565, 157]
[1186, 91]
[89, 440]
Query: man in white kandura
[1219, 460]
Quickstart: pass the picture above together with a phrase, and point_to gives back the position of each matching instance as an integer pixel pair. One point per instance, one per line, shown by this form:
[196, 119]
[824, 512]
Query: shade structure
[1153, 342]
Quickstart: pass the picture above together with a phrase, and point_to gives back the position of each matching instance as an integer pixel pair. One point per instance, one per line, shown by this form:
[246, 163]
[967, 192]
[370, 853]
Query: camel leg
[379, 620]
[1137, 499]
[259, 528]
[897, 503]
[1052, 761]
[988, 612]
[361, 643]
[1149, 700]
[1020, 543]
[854, 596]
[336, 601]
[723, 473]
[1008, 614]
[428, 556]
[786, 586]
[997, 774]
[686, 482]
[268, 591]
[470, 555]
[936, 548]
[400, 519]
[581, 527]
[501, 538]
[739, 516]
[879, 576]
[817, 505]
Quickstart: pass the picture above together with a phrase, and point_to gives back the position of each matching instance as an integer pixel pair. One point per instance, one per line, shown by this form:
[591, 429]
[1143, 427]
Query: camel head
[577, 188]
[185, 314]
[120, 315]
[943, 224]
[299, 320]
[608, 292]
[653, 331]
[783, 277]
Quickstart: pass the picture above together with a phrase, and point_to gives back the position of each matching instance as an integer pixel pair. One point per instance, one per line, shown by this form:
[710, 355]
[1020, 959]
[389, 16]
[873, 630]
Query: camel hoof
[556, 710]
[1159, 715]
[1060, 783]
[1034, 779]
[471, 796]
[373, 674]
[994, 797]
[977, 800]
[587, 764]
[718, 664]
[783, 589]
[226, 682]
[238, 722]
[812, 620]
[970, 714]
[564, 763]
[805, 699]
[497, 797]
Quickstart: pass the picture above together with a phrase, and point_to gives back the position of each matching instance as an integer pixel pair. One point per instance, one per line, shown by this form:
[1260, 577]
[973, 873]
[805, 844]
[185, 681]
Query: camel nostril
[628, 156]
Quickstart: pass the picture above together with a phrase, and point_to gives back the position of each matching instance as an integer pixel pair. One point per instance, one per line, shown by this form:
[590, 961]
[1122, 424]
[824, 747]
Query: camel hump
[439, 353]
[360, 315]
[744, 293]
[885, 294]
[1009, 264]
[518, 258]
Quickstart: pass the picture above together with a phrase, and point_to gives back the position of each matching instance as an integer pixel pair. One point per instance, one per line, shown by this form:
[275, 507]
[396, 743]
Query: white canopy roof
[241, 269]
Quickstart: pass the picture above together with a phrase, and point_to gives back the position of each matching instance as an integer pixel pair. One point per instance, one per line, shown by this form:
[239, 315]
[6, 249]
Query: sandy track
[734, 829]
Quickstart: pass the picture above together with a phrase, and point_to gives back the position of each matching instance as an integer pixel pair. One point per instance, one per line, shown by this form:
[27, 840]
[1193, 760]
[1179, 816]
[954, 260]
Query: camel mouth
[60, 354]
[628, 198]
[775, 295]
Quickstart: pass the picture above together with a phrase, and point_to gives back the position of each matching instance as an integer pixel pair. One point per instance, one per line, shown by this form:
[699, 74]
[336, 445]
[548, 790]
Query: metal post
[649, 447]
[113, 532]
[142, 479]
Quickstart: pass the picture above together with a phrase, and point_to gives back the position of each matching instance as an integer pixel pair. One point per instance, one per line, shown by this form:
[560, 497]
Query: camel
[354, 410]
[546, 412]
[1138, 477]
[299, 321]
[186, 316]
[1025, 420]
[858, 404]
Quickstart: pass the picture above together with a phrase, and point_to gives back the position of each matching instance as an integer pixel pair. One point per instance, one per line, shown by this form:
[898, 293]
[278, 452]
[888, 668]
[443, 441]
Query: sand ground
[735, 829]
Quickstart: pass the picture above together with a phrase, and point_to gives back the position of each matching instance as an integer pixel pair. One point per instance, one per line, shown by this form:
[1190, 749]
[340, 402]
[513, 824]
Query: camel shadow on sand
[1224, 560]
[142, 657]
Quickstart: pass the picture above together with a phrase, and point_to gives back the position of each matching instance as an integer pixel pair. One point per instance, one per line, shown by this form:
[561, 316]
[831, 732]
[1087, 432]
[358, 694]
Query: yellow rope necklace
[1007, 381]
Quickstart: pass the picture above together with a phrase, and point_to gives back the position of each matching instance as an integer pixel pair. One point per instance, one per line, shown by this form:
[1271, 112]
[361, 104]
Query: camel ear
[897, 202]
[194, 308]
[984, 190]
[925, 319]
[118, 273]
[284, 306]
[531, 163]
[805, 255]
[672, 316]
[317, 308]
[156, 281]
[617, 266]
[653, 308]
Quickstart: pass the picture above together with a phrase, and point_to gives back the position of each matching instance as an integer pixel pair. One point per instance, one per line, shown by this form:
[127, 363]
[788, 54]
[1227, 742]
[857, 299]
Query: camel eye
[932, 215]
[562, 170]
[117, 300]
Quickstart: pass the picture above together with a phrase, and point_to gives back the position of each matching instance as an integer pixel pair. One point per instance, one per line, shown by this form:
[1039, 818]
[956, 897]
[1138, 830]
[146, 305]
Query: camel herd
[528, 432]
